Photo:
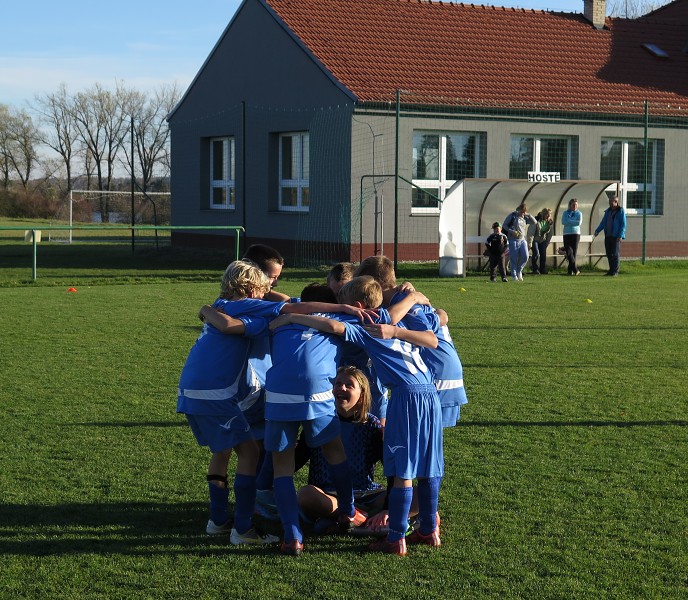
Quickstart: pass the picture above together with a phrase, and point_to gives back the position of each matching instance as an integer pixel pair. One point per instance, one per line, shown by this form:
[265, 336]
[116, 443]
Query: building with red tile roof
[334, 130]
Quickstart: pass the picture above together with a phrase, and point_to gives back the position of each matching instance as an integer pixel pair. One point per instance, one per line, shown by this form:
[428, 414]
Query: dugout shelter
[472, 205]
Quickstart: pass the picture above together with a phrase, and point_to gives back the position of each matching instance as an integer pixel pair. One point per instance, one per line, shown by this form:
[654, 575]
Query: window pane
[305, 168]
[305, 197]
[218, 160]
[636, 162]
[426, 154]
[290, 196]
[460, 156]
[554, 156]
[287, 157]
[610, 161]
[521, 157]
[635, 200]
[420, 199]
[219, 196]
[231, 159]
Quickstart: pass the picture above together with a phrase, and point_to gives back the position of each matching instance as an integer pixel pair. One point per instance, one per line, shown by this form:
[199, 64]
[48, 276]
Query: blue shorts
[220, 432]
[280, 435]
[413, 434]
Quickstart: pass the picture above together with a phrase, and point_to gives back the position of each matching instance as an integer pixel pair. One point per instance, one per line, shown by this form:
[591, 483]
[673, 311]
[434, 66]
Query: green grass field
[566, 477]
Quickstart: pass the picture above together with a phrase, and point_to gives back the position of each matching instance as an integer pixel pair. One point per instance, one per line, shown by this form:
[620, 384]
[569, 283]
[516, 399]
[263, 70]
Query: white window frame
[629, 186]
[227, 182]
[537, 150]
[442, 185]
[301, 182]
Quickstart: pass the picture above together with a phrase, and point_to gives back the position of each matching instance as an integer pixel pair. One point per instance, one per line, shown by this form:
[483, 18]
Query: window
[544, 154]
[439, 161]
[624, 161]
[294, 190]
[222, 182]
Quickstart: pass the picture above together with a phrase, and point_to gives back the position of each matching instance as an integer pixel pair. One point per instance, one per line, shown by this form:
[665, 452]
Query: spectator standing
[543, 229]
[497, 245]
[516, 227]
[571, 220]
[614, 225]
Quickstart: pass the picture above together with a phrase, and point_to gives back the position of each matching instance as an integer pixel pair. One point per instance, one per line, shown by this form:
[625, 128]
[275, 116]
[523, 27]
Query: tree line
[90, 138]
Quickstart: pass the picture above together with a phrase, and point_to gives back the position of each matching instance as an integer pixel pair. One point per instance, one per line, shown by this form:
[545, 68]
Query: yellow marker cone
[588, 300]
[462, 289]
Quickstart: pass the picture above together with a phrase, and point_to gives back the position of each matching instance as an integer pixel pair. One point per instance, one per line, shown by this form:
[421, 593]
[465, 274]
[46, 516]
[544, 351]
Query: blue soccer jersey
[363, 447]
[444, 361]
[413, 432]
[298, 386]
[356, 356]
[396, 362]
[215, 370]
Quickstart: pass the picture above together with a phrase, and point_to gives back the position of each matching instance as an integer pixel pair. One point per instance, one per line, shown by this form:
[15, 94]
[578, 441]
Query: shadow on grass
[136, 528]
[122, 528]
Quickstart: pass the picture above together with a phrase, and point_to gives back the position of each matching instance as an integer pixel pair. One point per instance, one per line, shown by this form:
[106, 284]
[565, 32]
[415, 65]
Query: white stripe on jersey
[217, 394]
[277, 398]
[448, 384]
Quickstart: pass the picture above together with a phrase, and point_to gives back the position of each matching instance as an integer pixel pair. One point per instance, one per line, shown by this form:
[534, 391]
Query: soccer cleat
[431, 539]
[520, 276]
[343, 523]
[251, 538]
[397, 547]
[212, 529]
[293, 548]
[504, 279]
[265, 505]
[346, 523]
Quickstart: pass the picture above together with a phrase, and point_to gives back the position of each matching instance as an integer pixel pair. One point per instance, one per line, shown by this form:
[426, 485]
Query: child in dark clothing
[497, 246]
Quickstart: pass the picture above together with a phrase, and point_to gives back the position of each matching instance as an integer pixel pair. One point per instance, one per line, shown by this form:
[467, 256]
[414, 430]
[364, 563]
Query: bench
[556, 240]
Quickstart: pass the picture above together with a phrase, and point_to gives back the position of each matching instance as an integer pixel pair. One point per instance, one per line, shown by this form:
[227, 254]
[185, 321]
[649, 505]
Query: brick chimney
[595, 11]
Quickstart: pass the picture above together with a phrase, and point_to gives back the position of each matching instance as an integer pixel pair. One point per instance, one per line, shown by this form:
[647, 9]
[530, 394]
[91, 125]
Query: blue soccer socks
[428, 495]
[219, 503]
[341, 478]
[399, 506]
[288, 508]
[244, 501]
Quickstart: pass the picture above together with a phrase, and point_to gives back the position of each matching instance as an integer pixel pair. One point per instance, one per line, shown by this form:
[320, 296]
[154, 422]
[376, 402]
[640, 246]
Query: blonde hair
[243, 278]
[366, 399]
[363, 289]
[379, 268]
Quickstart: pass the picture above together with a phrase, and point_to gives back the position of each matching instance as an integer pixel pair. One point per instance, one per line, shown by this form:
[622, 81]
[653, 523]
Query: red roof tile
[447, 53]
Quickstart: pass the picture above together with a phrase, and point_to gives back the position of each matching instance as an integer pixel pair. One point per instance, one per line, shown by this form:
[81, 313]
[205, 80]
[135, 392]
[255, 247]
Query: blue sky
[143, 43]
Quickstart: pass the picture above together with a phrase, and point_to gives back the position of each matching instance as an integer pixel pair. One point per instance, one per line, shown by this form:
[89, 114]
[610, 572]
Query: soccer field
[566, 476]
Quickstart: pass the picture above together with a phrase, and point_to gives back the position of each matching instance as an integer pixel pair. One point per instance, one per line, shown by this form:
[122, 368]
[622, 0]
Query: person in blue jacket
[614, 225]
[571, 219]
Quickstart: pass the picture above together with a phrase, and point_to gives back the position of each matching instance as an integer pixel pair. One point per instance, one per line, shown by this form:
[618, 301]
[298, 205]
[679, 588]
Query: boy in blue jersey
[299, 395]
[444, 360]
[413, 434]
[210, 387]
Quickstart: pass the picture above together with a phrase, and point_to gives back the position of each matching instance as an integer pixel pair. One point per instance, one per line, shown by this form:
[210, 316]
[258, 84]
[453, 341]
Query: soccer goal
[86, 207]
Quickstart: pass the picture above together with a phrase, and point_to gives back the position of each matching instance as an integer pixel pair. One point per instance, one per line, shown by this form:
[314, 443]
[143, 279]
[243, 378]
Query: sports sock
[219, 504]
[265, 472]
[244, 501]
[399, 506]
[341, 478]
[288, 508]
[428, 494]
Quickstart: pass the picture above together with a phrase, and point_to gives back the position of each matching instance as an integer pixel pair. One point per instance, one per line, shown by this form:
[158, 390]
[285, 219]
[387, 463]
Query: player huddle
[368, 375]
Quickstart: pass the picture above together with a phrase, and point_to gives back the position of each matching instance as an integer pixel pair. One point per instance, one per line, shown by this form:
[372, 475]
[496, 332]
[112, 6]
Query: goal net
[95, 207]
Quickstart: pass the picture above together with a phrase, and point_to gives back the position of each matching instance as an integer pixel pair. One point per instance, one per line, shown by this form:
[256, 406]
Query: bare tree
[57, 115]
[5, 164]
[151, 132]
[101, 120]
[632, 9]
[23, 138]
